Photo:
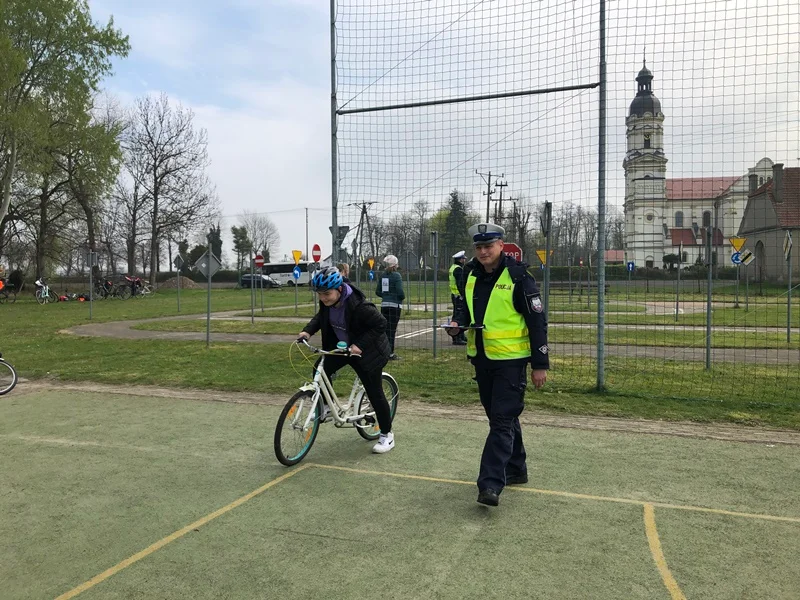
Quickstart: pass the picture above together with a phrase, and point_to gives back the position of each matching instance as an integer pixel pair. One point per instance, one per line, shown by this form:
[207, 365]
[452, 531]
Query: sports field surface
[114, 495]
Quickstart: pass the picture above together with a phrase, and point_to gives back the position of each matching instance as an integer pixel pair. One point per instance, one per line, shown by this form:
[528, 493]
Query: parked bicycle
[8, 376]
[8, 294]
[316, 403]
[43, 292]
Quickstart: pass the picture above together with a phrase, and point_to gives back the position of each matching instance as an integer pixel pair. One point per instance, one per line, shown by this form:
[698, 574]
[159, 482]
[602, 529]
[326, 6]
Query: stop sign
[259, 261]
[512, 250]
[316, 252]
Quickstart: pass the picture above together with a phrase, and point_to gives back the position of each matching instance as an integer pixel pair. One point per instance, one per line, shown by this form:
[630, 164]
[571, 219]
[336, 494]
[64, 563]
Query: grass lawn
[743, 392]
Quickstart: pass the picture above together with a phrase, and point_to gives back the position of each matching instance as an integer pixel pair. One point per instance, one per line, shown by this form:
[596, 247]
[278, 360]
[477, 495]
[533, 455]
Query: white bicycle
[300, 419]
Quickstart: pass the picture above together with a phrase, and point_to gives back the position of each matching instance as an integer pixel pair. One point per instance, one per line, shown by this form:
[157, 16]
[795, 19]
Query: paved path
[417, 333]
[532, 417]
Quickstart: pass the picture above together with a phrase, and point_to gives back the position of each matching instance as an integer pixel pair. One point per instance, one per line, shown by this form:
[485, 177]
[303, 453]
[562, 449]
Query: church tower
[645, 177]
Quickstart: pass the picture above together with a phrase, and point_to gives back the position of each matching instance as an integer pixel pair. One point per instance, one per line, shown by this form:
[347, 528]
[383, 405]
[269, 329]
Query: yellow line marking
[568, 494]
[658, 555]
[174, 536]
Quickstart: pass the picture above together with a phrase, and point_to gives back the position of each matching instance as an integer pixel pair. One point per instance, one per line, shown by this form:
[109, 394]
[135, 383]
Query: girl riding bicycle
[344, 315]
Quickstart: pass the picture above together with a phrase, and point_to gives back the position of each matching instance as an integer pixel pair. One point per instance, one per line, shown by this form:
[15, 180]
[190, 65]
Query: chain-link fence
[449, 114]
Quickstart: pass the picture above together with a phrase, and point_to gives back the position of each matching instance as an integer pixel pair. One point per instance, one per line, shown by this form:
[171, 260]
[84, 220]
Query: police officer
[457, 290]
[507, 330]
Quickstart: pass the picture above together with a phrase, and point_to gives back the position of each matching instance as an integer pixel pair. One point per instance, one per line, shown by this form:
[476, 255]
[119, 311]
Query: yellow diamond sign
[297, 254]
[737, 242]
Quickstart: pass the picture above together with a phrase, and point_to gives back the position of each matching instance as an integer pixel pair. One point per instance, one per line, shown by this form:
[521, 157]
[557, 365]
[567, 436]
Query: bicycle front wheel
[124, 292]
[8, 377]
[368, 427]
[293, 436]
[40, 298]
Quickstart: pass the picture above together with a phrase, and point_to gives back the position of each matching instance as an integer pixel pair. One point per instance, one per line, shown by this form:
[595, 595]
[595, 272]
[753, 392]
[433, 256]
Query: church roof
[698, 188]
[686, 236]
[645, 100]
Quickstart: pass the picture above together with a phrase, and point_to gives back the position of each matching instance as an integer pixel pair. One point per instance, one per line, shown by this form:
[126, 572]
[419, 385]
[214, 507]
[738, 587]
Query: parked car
[249, 280]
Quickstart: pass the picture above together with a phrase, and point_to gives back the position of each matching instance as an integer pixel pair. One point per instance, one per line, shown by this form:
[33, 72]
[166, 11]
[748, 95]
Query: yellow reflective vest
[453, 283]
[505, 334]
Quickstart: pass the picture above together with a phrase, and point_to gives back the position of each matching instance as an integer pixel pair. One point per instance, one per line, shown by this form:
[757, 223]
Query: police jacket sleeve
[458, 275]
[528, 302]
[461, 314]
[371, 324]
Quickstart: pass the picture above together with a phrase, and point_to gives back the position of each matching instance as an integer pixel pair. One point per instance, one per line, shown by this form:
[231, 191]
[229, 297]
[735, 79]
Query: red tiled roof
[682, 235]
[698, 188]
[615, 256]
[717, 240]
[789, 210]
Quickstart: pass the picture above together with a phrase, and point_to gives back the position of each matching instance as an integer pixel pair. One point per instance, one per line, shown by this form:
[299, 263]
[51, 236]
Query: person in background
[390, 291]
[344, 269]
[457, 290]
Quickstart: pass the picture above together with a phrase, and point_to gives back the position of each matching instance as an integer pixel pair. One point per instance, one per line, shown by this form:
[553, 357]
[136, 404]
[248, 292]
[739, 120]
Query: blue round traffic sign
[371, 275]
[296, 272]
[736, 258]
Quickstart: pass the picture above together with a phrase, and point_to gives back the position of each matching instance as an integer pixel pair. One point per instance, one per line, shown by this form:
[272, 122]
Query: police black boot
[488, 497]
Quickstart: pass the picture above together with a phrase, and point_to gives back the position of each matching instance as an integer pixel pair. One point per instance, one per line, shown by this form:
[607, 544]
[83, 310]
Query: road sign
[342, 233]
[580, 262]
[259, 261]
[297, 255]
[316, 252]
[787, 244]
[542, 254]
[746, 256]
[737, 243]
[178, 262]
[631, 266]
[371, 274]
[511, 249]
[371, 262]
[296, 272]
[736, 258]
[208, 264]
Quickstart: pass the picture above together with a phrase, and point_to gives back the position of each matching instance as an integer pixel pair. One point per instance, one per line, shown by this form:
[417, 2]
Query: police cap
[486, 232]
[460, 254]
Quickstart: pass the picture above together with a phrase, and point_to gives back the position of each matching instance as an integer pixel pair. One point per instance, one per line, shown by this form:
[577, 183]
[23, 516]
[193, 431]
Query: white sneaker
[385, 443]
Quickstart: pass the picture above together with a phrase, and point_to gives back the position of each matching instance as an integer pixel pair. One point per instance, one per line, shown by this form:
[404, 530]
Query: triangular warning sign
[737, 242]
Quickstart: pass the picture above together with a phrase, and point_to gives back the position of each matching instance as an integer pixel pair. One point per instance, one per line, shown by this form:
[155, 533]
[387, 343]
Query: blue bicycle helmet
[327, 278]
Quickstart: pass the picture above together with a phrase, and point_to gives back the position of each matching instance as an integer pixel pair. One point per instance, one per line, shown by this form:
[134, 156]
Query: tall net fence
[452, 113]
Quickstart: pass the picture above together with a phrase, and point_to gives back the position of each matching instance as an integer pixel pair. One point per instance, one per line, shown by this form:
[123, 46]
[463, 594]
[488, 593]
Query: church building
[662, 214]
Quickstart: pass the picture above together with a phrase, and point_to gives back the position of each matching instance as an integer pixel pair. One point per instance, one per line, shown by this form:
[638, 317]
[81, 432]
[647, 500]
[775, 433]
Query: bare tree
[170, 159]
[262, 232]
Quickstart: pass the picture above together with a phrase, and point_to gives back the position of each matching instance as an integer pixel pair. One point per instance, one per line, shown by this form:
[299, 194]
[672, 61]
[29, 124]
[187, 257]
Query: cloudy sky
[257, 75]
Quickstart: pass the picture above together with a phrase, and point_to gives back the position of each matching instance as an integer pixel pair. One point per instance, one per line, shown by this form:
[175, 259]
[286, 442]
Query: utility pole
[359, 237]
[487, 177]
[498, 215]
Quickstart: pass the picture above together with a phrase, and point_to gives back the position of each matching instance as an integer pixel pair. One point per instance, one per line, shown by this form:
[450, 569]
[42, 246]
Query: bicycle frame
[322, 388]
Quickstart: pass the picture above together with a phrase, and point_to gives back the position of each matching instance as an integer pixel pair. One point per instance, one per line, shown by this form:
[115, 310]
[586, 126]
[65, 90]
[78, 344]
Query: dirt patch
[417, 408]
[171, 284]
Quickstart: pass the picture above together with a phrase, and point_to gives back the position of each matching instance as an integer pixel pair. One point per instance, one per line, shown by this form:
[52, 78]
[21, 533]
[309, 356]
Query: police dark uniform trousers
[508, 304]
[456, 279]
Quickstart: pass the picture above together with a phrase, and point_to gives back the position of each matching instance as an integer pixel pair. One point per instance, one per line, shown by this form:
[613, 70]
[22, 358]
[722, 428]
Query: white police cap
[460, 254]
[486, 232]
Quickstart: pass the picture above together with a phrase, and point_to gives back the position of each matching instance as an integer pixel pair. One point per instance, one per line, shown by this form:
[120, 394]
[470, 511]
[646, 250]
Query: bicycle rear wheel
[124, 292]
[368, 428]
[293, 439]
[8, 377]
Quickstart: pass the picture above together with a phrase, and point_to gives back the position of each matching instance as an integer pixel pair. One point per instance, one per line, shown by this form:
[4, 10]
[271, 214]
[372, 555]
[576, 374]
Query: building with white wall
[660, 213]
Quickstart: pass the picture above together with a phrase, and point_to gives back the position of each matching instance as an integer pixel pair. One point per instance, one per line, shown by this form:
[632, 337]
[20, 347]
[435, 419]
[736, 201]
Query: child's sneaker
[385, 443]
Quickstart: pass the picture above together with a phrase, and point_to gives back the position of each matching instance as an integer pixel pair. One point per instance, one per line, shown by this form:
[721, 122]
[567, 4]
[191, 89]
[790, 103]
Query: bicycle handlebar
[337, 352]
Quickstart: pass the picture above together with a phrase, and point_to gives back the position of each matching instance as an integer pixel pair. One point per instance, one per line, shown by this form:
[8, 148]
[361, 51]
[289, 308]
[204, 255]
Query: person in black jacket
[344, 315]
[506, 331]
